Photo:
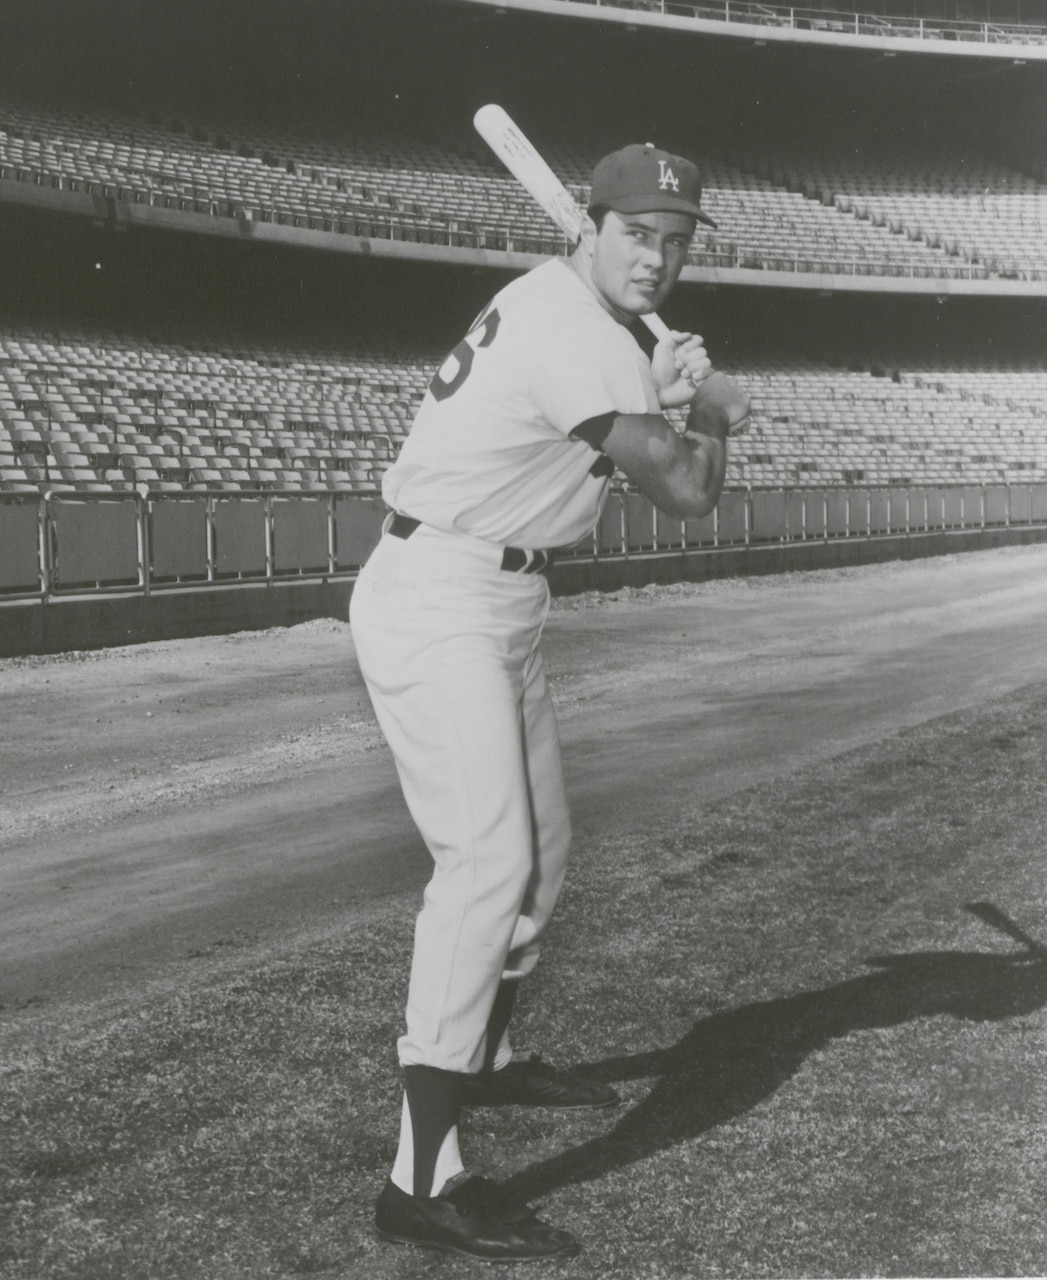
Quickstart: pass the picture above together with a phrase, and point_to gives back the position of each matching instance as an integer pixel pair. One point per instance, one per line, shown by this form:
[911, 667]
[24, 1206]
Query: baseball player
[511, 454]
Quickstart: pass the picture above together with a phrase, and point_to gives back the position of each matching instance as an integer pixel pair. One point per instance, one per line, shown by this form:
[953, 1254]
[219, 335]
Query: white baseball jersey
[491, 452]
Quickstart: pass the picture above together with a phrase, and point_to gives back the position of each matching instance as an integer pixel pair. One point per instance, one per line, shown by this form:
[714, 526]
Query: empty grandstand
[92, 413]
[235, 254]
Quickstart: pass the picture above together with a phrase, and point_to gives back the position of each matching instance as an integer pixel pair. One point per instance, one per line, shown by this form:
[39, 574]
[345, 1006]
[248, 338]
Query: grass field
[830, 1065]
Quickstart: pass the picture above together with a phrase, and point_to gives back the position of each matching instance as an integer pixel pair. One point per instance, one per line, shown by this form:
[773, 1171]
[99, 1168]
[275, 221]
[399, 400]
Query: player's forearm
[708, 425]
[719, 406]
[706, 471]
[681, 474]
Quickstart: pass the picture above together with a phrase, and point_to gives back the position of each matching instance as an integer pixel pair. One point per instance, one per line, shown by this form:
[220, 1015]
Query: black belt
[514, 560]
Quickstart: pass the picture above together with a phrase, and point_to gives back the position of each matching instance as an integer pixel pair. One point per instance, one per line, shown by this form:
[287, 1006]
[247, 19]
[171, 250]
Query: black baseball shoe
[527, 1081]
[472, 1216]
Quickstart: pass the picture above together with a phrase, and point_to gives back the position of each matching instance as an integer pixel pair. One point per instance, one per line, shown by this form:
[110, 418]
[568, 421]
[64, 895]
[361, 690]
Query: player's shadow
[732, 1060]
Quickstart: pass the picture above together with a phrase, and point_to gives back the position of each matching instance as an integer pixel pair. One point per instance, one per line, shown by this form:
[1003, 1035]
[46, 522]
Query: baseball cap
[642, 179]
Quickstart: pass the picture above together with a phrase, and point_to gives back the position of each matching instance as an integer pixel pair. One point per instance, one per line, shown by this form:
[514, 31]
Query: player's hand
[679, 365]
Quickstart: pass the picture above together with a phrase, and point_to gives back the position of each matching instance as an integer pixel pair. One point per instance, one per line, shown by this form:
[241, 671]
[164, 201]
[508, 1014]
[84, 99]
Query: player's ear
[587, 233]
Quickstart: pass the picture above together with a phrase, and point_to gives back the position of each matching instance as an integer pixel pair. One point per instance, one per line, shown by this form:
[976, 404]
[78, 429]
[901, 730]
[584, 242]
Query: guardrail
[631, 526]
[70, 543]
[347, 228]
[799, 262]
[63, 544]
[509, 239]
[801, 18]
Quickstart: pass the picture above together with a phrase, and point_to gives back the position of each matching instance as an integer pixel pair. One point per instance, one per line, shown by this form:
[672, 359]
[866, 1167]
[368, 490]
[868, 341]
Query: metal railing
[62, 544]
[756, 516]
[801, 18]
[506, 237]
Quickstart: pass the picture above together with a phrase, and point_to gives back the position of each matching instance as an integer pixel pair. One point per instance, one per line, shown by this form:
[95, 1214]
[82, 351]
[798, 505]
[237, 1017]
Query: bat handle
[656, 325]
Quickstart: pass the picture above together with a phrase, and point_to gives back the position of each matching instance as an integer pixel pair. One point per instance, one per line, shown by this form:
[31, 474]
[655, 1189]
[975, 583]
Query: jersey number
[463, 354]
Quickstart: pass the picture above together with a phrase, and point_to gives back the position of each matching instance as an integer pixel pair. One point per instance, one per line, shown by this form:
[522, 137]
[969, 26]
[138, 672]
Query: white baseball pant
[448, 644]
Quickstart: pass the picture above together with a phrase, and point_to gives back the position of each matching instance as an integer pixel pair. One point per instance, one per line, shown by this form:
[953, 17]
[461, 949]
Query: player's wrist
[720, 407]
[678, 396]
[708, 419]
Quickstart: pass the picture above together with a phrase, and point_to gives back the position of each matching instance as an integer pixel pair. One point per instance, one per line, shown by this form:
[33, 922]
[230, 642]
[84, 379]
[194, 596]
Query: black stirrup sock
[501, 1012]
[433, 1101]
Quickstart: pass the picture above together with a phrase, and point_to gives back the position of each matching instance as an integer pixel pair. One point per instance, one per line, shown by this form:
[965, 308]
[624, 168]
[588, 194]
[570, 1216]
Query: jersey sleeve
[593, 373]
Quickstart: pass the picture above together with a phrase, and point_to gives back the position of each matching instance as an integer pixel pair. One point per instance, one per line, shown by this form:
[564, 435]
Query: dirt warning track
[161, 801]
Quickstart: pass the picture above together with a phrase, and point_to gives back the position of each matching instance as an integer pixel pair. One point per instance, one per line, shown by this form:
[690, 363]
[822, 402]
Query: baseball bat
[497, 128]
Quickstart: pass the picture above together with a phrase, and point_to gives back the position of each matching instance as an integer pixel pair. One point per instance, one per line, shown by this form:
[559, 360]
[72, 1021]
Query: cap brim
[664, 204]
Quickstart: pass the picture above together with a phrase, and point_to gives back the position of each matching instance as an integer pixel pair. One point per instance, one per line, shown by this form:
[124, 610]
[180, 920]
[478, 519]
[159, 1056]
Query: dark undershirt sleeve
[594, 431]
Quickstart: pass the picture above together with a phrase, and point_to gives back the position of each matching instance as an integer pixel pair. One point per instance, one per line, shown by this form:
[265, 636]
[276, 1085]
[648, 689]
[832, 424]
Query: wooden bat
[494, 124]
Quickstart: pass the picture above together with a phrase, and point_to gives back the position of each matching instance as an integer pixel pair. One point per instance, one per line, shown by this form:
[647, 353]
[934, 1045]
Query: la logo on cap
[644, 179]
[666, 177]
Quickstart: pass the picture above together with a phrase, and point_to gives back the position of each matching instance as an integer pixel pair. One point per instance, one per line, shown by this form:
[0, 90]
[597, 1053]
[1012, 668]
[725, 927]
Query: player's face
[637, 258]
